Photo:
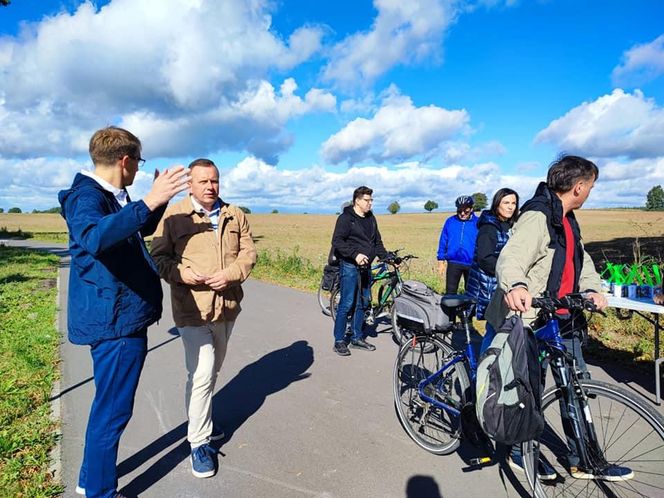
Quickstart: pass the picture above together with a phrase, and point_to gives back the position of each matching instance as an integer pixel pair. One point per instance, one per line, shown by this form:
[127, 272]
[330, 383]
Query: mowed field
[608, 234]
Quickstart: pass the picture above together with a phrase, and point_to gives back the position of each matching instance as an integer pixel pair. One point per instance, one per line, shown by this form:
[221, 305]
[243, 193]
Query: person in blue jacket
[114, 289]
[495, 227]
[457, 244]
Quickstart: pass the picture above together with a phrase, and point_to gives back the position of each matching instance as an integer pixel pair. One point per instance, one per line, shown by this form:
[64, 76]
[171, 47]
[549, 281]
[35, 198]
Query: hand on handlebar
[598, 299]
[518, 299]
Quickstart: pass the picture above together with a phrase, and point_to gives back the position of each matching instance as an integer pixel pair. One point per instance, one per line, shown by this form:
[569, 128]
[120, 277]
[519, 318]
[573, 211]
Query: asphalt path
[300, 421]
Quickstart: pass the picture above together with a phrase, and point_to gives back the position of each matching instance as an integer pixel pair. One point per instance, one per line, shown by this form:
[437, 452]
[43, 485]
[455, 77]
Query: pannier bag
[508, 388]
[330, 277]
[418, 309]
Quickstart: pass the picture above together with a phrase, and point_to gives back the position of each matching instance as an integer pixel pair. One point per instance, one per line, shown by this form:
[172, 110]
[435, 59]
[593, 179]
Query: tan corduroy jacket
[185, 238]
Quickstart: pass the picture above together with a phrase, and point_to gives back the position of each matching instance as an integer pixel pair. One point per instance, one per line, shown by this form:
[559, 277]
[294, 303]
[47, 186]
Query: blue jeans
[354, 298]
[117, 366]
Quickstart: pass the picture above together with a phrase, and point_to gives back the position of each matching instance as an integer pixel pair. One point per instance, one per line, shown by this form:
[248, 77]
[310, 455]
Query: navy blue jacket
[457, 240]
[114, 287]
[482, 278]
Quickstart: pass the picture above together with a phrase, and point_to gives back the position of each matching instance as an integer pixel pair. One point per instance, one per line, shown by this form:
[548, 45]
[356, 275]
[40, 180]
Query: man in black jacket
[356, 242]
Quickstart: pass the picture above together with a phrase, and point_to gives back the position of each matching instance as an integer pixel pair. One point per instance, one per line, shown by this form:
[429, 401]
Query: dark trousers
[117, 366]
[573, 346]
[453, 277]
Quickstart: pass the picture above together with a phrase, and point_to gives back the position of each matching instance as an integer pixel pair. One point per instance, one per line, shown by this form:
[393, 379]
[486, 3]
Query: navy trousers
[117, 366]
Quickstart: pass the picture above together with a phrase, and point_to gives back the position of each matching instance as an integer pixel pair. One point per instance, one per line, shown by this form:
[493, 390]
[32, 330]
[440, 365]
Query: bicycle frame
[467, 356]
[551, 347]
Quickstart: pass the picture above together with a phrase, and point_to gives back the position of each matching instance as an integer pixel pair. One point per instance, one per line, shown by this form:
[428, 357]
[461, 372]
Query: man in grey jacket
[545, 253]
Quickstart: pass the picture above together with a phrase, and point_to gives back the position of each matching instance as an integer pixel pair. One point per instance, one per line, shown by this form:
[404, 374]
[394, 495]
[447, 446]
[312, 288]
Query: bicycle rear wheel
[630, 434]
[324, 298]
[432, 428]
[400, 334]
[334, 301]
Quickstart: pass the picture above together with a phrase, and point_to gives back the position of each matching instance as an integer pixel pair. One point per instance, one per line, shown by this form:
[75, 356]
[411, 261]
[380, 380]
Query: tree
[15, 210]
[430, 205]
[394, 207]
[655, 199]
[275, 211]
[480, 201]
[2, 210]
[245, 210]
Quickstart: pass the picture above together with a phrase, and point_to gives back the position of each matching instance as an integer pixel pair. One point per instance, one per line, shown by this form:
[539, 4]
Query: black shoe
[341, 349]
[362, 344]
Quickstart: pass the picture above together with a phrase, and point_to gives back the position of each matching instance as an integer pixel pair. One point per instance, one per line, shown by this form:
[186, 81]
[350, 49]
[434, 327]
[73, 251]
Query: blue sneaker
[611, 473]
[202, 461]
[544, 470]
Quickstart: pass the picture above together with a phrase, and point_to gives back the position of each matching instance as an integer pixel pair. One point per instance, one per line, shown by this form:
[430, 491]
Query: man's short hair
[110, 144]
[361, 191]
[567, 170]
[202, 162]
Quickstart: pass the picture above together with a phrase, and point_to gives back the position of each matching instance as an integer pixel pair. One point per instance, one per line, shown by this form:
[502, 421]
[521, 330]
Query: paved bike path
[300, 421]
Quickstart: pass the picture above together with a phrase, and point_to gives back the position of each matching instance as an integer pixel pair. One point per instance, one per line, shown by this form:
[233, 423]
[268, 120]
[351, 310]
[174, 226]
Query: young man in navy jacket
[114, 289]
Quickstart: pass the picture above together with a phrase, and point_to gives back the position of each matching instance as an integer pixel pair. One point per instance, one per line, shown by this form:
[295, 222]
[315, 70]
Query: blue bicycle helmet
[464, 200]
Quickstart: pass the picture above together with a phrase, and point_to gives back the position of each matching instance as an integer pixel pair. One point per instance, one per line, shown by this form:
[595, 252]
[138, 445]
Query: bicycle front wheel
[432, 428]
[630, 434]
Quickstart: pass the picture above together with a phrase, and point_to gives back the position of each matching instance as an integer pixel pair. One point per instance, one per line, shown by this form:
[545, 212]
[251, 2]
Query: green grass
[288, 269]
[29, 350]
[45, 236]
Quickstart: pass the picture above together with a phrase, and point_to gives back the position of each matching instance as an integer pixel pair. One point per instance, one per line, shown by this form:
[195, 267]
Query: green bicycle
[386, 275]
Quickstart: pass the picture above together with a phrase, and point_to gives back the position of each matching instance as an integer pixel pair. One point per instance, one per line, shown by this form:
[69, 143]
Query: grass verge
[29, 350]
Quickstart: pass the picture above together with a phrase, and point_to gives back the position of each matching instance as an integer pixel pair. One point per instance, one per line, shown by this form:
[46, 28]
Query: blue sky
[299, 102]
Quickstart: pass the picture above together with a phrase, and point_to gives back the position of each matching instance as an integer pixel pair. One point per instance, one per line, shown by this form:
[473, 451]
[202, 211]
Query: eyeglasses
[140, 160]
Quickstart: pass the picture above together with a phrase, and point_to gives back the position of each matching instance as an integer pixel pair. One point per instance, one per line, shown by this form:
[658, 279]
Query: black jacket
[350, 238]
[547, 202]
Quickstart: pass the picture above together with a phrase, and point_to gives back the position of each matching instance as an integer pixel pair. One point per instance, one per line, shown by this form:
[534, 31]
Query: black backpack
[509, 386]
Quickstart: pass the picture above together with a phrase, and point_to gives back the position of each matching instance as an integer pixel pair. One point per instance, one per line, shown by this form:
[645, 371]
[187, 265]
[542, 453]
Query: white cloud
[168, 60]
[402, 33]
[641, 63]
[618, 124]
[397, 131]
[262, 187]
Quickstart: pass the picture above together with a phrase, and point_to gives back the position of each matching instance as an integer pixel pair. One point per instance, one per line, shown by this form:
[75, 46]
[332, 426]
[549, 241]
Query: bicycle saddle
[456, 300]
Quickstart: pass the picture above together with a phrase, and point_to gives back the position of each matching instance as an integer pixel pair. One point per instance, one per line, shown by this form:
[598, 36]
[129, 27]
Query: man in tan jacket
[204, 249]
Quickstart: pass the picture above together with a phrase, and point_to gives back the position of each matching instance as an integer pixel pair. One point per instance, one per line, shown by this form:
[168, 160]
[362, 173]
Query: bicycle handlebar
[576, 302]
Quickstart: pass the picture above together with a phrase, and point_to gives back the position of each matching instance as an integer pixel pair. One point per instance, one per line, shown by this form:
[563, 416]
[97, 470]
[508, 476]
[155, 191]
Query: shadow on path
[236, 402]
[85, 381]
[422, 487]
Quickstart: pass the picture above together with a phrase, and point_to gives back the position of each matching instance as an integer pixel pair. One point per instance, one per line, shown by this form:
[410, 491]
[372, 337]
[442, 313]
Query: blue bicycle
[619, 438]
[433, 383]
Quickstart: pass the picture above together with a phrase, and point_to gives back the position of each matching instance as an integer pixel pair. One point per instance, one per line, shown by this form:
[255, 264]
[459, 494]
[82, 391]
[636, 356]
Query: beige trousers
[204, 350]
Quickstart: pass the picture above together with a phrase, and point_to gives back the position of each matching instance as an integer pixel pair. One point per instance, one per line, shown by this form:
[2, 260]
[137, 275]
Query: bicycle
[610, 426]
[387, 275]
[434, 384]
[328, 284]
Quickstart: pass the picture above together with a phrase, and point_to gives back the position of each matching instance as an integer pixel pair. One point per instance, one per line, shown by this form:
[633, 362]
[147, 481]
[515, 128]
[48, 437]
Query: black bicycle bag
[508, 388]
[330, 277]
[418, 309]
